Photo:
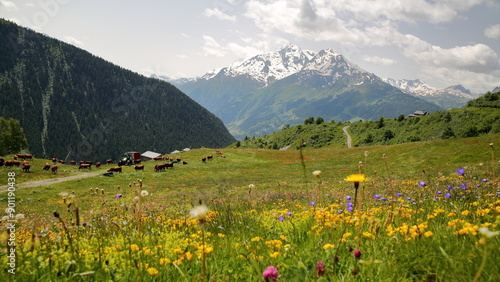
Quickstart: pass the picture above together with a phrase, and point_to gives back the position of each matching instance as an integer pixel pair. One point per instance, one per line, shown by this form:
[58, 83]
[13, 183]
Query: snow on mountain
[267, 67]
[419, 88]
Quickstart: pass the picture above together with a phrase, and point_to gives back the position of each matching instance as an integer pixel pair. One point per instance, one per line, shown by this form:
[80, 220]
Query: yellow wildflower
[356, 178]
[274, 255]
[152, 271]
[328, 246]
[134, 247]
[428, 234]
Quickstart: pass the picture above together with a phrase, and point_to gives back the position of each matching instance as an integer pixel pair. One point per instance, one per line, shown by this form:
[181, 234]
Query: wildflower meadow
[424, 211]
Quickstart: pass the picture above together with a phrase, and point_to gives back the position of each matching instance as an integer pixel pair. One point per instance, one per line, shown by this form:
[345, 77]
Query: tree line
[12, 137]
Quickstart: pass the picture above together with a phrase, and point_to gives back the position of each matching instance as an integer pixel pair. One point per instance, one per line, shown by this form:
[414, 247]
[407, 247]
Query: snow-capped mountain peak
[267, 67]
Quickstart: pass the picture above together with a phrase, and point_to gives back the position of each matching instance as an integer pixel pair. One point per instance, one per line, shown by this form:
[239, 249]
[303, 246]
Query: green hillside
[72, 103]
[471, 121]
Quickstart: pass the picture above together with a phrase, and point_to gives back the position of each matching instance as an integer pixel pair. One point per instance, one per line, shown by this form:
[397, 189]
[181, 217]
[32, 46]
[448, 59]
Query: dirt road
[47, 182]
[349, 139]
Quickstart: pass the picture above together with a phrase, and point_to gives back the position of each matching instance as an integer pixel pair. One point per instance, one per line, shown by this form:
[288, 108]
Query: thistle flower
[271, 273]
[356, 253]
[199, 212]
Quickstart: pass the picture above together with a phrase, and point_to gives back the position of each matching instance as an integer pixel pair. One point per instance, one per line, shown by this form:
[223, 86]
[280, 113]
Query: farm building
[149, 155]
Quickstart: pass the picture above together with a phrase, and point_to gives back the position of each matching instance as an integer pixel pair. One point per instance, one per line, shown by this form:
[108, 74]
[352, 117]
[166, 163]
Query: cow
[139, 167]
[2, 161]
[46, 166]
[184, 163]
[85, 166]
[20, 156]
[204, 159]
[137, 161]
[98, 164]
[26, 166]
[28, 156]
[54, 169]
[115, 169]
[209, 157]
[72, 162]
[159, 158]
[160, 167]
[12, 163]
[89, 162]
[54, 160]
[62, 161]
[108, 161]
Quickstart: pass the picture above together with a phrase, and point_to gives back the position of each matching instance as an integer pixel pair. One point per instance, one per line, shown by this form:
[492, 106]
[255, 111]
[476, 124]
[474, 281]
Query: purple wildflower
[118, 196]
[347, 198]
[377, 196]
[312, 203]
[349, 209]
[281, 218]
[447, 195]
[399, 194]
[460, 171]
[464, 186]
[320, 268]
[422, 184]
[439, 192]
[449, 187]
[289, 213]
[484, 180]
[340, 211]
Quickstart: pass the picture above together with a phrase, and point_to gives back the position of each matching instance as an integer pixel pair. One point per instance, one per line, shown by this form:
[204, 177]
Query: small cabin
[418, 114]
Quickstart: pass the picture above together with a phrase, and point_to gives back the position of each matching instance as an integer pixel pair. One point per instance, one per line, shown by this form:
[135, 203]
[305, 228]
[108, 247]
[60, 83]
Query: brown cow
[85, 166]
[98, 164]
[139, 167]
[72, 162]
[54, 169]
[46, 166]
[12, 163]
[28, 156]
[160, 167]
[116, 169]
[26, 166]
[62, 161]
[108, 161]
[159, 158]
[54, 160]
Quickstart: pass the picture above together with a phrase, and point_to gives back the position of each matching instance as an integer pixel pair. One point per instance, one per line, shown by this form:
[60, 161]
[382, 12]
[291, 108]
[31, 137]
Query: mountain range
[455, 96]
[72, 104]
[264, 93]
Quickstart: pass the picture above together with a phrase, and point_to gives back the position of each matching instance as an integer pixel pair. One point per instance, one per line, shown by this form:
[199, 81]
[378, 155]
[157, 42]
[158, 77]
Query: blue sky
[442, 42]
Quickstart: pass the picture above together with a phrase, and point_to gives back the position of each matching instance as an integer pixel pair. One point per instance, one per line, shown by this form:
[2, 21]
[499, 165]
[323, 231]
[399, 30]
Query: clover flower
[271, 273]
[356, 253]
[320, 268]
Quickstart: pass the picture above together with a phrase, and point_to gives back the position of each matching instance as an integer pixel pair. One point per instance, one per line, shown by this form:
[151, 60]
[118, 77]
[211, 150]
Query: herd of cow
[24, 164]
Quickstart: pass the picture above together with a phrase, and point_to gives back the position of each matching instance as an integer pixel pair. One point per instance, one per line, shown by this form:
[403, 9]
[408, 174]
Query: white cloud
[379, 60]
[8, 5]
[73, 41]
[182, 56]
[218, 14]
[29, 4]
[211, 47]
[493, 32]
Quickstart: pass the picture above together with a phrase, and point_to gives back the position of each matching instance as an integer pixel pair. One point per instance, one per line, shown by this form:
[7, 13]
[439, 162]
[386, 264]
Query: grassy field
[415, 218]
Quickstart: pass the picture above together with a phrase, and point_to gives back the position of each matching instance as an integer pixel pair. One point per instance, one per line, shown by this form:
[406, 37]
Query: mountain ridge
[72, 103]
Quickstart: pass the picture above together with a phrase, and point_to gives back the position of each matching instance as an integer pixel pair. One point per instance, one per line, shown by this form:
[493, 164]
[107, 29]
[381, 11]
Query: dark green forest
[12, 138]
[72, 103]
[480, 117]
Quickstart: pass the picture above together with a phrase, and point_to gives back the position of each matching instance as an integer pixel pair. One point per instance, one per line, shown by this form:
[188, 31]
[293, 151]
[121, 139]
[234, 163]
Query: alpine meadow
[289, 166]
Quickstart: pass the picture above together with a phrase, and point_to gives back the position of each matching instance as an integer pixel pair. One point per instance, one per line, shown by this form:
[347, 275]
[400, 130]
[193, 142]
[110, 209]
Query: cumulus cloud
[8, 5]
[493, 32]
[218, 14]
[379, 60]
[73, 41]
